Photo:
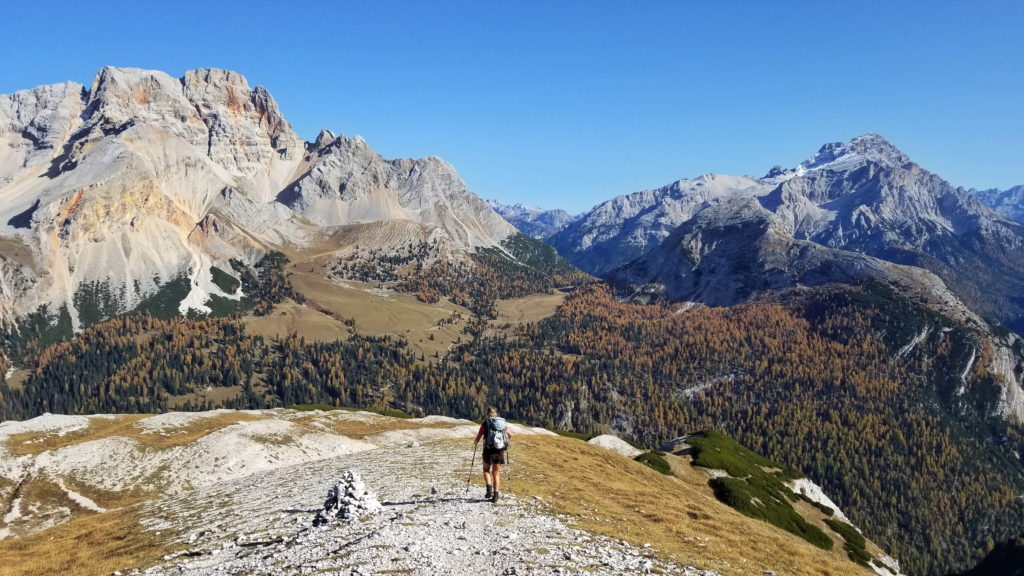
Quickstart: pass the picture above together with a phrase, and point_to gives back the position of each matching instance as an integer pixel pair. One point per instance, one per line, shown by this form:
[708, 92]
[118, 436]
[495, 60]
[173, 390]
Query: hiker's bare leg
[487, 473]
[496, 474]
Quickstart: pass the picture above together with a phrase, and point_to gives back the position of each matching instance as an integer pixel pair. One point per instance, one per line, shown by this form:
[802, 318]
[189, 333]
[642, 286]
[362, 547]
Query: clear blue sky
[569, 103]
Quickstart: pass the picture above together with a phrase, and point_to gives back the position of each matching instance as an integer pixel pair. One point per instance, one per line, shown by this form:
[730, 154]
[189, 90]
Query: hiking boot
[495, 496]
[489, 494]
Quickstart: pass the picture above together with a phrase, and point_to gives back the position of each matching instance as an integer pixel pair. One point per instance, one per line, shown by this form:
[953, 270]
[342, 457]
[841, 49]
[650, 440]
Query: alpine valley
[848, 327]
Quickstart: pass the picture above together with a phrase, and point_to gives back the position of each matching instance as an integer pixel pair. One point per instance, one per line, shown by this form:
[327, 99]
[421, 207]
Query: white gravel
[173, 420]
[242, 499]
[58, 424]
[429, 524]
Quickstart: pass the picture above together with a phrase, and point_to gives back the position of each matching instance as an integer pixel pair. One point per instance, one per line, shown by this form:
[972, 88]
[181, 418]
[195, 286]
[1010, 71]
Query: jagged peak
[58, 88]
[869, 147]
[219, 76]
[324, 139]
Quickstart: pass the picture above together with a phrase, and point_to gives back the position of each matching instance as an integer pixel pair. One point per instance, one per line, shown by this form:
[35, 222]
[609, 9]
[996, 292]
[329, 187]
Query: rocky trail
[427, 523]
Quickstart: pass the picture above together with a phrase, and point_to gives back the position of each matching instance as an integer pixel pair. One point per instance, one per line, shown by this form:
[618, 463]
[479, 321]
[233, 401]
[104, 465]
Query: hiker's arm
[479, 435]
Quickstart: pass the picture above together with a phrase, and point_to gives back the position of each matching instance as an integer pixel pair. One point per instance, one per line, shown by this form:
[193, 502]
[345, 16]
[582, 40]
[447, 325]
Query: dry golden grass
[518, 311]
[17, 379]
[528, 309]
[678, 515]
[95, 544]
[123, 426]
[378, 313]
[290, 317]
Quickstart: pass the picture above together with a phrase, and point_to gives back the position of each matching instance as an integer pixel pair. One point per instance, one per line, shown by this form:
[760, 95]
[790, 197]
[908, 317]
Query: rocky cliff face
[737, 250]
[621, 229]
[143, 178]
[349, 182]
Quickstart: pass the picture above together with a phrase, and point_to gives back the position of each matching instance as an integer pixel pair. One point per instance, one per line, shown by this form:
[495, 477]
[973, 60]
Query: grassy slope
[609, 494]
[378, 313]
[94, 544]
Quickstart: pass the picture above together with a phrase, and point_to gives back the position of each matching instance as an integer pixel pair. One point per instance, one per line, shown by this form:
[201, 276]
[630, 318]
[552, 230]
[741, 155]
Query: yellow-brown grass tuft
[88, 545]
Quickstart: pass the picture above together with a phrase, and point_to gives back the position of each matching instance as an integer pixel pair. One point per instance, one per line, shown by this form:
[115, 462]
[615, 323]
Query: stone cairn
[347, 500]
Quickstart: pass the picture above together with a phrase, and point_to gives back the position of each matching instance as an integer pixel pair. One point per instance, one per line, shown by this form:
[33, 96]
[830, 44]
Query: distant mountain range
[863, 197]
[531, 220]
[1009, 203]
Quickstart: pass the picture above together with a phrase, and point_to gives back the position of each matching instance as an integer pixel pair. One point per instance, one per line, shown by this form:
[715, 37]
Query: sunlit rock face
[142, 179]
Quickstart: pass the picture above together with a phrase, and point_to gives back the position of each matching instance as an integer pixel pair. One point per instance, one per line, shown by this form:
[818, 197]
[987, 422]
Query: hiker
[496, 441]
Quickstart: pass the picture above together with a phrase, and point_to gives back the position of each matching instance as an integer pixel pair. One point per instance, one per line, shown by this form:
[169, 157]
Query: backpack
[497, 434]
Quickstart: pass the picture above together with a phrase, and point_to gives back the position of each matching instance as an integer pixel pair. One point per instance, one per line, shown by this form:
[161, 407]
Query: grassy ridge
[755, 485]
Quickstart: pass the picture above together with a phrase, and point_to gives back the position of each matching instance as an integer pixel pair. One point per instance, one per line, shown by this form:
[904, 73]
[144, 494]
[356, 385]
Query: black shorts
[493, 456]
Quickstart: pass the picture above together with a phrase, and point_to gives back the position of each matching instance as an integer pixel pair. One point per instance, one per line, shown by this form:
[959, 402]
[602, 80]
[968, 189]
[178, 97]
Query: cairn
[347, 500]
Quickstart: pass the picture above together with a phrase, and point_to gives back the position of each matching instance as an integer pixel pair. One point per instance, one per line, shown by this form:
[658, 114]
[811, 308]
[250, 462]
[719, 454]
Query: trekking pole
[469, 477]
[508, 480]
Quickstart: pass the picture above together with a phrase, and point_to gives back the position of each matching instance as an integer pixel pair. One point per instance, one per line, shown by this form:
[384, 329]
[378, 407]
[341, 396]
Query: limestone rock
[145, 178]
[615, 444]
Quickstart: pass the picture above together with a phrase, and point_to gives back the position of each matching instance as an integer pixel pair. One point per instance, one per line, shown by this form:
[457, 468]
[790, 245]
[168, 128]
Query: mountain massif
[864, 196]
[143, 179]
[171, 243]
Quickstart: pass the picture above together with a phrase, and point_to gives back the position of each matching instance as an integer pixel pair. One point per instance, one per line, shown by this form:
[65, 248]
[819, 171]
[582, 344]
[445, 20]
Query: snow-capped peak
[842, 156]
